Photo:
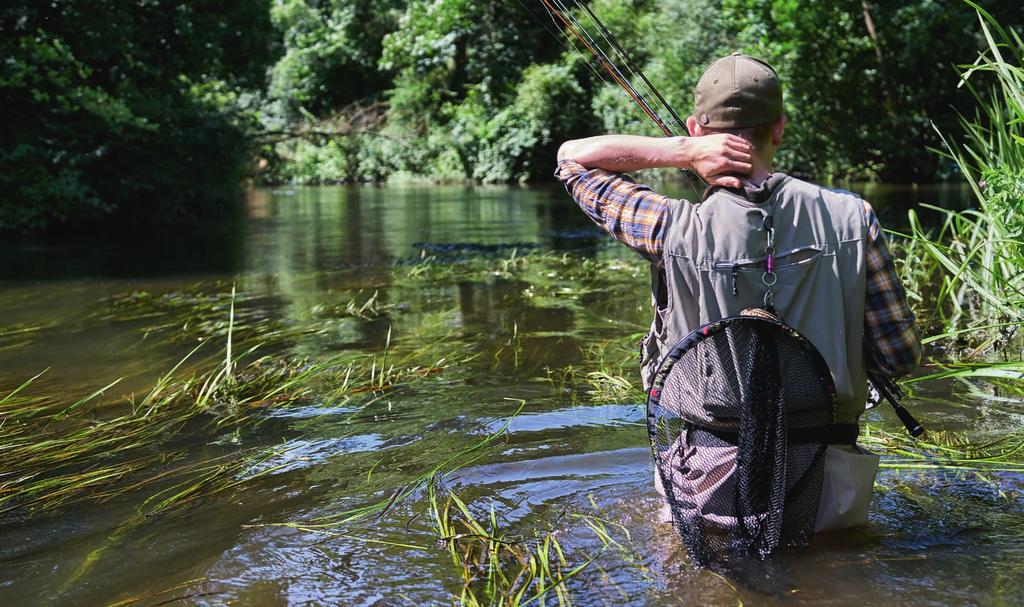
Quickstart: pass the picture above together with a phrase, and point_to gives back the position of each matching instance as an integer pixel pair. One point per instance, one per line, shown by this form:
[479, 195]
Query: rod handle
[913, 426]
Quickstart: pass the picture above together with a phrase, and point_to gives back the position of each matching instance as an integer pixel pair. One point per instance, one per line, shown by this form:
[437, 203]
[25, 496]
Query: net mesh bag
[735, 417]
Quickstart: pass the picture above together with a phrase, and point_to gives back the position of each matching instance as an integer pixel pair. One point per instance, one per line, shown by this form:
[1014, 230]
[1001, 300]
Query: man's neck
[761, 170]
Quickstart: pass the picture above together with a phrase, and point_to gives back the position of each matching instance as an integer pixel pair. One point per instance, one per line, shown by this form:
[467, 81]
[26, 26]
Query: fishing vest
[713, 263]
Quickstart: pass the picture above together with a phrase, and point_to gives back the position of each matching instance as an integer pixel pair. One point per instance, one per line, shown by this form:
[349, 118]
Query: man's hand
[718, 159]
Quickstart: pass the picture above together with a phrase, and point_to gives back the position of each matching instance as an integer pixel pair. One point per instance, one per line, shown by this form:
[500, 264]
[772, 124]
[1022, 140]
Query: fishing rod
[635, 68]
[889, 390]
[558, 9]
[575, 28]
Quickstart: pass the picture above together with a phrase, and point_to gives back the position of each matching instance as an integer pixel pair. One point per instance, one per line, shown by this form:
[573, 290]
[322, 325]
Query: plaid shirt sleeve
[633, 213]
[888, 322]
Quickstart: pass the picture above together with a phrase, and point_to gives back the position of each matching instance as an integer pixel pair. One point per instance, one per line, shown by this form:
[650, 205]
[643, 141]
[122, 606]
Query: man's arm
[634, 214]
[889, 329]
[716, 158]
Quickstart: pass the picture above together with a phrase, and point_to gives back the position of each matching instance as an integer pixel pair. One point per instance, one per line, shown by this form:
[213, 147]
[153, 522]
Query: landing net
[738, 416]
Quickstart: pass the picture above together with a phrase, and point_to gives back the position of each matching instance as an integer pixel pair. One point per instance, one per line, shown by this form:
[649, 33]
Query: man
[836, 283]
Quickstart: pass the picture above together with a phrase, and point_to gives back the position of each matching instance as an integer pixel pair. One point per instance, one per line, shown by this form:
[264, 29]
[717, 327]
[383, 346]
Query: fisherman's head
[740, 95]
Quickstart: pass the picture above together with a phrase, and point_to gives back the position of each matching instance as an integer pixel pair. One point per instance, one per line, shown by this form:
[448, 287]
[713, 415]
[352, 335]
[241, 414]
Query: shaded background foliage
[124, 109]
[140, 110]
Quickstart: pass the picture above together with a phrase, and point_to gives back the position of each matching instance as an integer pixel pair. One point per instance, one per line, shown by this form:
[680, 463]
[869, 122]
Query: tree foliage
[864, 81]
[118, 108]
[135, 110]
[331, 53]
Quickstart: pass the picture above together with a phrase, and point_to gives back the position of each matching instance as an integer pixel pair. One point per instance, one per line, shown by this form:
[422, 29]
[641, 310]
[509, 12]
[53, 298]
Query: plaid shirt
[635, 215]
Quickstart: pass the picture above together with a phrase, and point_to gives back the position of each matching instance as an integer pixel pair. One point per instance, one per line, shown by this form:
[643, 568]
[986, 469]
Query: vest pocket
[743, 277]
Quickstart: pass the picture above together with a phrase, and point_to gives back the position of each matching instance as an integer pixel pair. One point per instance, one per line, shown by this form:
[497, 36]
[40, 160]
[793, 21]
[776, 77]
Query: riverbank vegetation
[126, 111]
[976, 258]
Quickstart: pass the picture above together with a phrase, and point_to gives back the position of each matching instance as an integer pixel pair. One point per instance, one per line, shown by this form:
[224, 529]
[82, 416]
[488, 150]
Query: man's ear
[778, 129]
[693, 128]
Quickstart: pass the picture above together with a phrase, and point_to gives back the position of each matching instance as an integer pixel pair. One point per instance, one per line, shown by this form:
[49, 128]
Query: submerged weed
[946, 450]
[59, 453]
[95, 448]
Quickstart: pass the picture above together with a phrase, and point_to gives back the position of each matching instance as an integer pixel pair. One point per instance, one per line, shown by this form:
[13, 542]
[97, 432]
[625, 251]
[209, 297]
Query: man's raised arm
[719, 159]
[591, 170]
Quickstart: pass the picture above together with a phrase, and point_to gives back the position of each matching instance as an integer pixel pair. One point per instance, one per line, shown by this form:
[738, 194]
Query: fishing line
[577, 29]
[635, 73]
[626, 81]
[563, 38]
[634, 67]
[631, 69]
[637, 112]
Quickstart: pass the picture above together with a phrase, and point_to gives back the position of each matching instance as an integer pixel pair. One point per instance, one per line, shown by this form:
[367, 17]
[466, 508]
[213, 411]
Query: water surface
[297, 258]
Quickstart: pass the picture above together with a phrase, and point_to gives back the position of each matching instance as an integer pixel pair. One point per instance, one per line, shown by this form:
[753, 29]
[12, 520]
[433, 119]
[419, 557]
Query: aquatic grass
[16, 336]
[203, 480]
[359, 306]
[608, 387]
[942, 450]
[202, 313]
[196, 314]
[981, 380]
[151, 598]
[96, 448]
[613, 362]
[1011, 370]
[461, 458]
[369, 309]
[60, 453]
[69, 455]
[495, 569]
[549, 278]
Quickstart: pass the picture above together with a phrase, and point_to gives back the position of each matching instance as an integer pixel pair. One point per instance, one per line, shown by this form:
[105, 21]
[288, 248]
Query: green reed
[944, 450]
[204, 313]
[59, 452]
[980, 252]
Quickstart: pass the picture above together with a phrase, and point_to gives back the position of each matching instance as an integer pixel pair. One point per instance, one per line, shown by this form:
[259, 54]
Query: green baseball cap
[737, 91]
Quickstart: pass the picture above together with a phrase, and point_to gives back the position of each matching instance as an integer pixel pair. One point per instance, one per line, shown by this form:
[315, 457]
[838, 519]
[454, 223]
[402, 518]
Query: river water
[297, 258]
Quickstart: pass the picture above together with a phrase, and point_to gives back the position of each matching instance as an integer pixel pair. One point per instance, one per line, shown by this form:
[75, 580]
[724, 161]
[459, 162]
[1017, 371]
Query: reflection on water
[298, 259]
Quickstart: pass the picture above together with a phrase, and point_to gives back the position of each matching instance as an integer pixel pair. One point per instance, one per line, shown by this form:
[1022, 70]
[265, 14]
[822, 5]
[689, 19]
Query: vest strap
[832, 434]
